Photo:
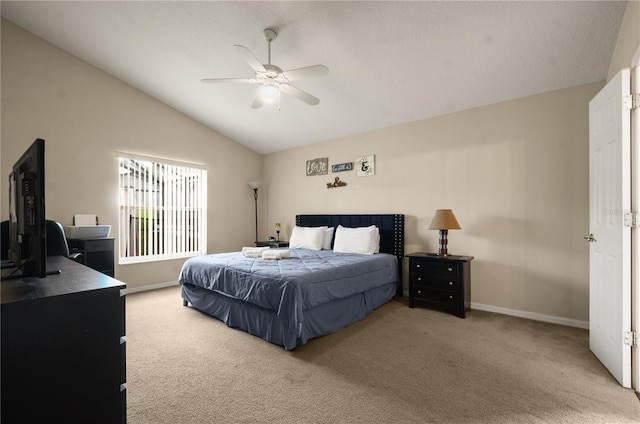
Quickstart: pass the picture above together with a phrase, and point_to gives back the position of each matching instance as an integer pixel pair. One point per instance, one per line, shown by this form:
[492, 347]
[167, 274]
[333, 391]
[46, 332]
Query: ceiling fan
[273, 80]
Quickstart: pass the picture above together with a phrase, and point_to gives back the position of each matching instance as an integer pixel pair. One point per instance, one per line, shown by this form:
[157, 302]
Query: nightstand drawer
[438, 268]
[436, 281]
[431, 295]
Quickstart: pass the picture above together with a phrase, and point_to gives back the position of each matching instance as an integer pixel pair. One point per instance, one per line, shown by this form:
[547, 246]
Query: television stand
[13, 273]
[62, 346]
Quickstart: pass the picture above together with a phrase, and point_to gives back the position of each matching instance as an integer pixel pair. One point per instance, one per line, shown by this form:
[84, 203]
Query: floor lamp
[255, 185]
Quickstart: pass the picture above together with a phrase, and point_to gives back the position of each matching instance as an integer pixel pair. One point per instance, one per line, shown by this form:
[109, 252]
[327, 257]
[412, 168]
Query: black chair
[56, 241]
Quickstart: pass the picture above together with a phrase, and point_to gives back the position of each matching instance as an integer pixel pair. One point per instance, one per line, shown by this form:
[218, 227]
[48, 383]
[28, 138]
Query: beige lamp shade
[444, 219]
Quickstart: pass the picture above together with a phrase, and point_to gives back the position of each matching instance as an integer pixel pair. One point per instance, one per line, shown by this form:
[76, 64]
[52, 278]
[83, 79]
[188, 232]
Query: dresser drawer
[123, 361]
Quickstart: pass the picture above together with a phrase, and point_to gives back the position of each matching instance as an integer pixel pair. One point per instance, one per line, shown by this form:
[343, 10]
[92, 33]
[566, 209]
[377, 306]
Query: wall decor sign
[336, 183]
[318, 166]
[339, 167]
[366, 166]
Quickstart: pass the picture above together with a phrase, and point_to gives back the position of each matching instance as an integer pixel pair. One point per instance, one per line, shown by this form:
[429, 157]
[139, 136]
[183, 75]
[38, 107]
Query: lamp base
[442, 243]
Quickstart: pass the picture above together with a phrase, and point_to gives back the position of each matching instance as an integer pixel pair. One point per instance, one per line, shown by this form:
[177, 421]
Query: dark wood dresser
[63, 351]
[440, 282]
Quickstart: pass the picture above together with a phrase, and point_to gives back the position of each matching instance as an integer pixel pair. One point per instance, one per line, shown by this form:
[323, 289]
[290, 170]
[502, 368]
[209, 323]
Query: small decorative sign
[336, 183]
[366, 166]
[318, 166]
[342, 167]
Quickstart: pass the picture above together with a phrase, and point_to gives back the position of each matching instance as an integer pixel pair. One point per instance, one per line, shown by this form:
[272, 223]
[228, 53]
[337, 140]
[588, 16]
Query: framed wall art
[366, 166]
[340, 167]
[318, 166]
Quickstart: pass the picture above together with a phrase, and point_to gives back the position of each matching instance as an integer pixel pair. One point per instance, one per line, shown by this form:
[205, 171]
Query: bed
[313, 293]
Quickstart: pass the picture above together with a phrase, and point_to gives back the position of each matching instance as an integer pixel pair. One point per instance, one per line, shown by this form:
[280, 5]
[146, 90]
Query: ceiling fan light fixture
[269, 93]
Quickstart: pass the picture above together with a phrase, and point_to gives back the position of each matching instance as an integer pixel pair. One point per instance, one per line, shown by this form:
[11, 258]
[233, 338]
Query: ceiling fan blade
[249, 57]
[299, 94]
[307, 72]
[216, 80]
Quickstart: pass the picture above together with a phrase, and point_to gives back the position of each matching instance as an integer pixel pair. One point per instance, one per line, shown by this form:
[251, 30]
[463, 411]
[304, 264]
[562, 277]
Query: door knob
[590, 238]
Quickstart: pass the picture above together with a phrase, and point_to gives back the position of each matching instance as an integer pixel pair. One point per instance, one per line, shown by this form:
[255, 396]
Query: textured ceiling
[389, 62]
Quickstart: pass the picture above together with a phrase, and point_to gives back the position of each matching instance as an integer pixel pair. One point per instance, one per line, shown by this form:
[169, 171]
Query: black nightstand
[272, 243]
[441, 282]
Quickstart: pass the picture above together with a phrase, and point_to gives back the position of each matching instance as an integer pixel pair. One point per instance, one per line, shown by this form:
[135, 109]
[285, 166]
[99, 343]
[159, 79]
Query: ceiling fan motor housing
[272, 71]
[270, 34]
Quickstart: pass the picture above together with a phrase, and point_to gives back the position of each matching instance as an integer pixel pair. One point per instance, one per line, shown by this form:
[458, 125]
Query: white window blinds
[163, 209]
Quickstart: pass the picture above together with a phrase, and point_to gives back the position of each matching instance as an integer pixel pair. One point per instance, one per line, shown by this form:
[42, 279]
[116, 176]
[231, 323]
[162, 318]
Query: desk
[98, 253]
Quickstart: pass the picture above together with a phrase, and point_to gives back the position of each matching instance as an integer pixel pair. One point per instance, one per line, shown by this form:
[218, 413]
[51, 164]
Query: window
[163, 209]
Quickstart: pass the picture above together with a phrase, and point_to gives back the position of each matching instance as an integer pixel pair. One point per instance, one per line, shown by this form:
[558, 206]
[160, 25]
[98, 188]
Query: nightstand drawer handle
[451, 283]
[450, 297]
[417, 265]
[419, 291]
[419, 278]
[449, 269]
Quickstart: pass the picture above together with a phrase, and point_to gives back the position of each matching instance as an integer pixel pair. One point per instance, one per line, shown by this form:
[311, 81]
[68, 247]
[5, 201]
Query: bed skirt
[318, 321]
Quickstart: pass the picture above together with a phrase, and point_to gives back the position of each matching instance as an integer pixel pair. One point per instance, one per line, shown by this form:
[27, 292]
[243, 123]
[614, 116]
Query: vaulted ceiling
[389, 62]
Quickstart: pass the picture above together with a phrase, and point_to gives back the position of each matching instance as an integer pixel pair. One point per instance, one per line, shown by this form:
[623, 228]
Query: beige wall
[515, 174]
[85, 115]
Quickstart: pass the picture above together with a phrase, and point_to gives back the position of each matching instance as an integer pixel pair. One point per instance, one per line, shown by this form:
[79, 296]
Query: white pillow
[357, 240]
[328, 236]
[307, 237]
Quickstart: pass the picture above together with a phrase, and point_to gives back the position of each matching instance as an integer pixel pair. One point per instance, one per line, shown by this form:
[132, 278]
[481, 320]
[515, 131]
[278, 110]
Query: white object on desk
[87, 231]
[84, 219]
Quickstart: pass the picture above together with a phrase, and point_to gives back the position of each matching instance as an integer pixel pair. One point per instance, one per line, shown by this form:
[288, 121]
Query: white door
[610, 244]
[635, 233]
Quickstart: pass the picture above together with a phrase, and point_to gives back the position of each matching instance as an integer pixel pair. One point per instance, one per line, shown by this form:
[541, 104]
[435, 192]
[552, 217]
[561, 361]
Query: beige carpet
[399, 365]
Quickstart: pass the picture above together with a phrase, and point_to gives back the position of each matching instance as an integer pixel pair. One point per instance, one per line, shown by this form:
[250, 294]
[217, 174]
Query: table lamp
[444, 220]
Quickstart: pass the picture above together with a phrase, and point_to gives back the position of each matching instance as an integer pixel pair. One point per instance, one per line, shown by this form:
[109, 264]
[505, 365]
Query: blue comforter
[290, 286]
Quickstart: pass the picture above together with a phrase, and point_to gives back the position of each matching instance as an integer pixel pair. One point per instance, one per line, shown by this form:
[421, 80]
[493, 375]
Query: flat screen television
[27, 222]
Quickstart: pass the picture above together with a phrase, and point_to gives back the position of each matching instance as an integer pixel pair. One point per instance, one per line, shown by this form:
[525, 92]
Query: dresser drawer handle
[450, 297]
[419, 291]
[417, 265]
[449, 269]
[451, 283]
[419, 278]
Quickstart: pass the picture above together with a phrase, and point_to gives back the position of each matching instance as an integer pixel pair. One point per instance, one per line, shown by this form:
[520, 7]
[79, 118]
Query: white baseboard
[151, 287]
[528, 315]
[532, 315]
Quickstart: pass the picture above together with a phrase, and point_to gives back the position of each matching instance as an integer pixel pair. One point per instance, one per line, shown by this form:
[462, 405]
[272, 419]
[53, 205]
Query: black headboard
[391, 227]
